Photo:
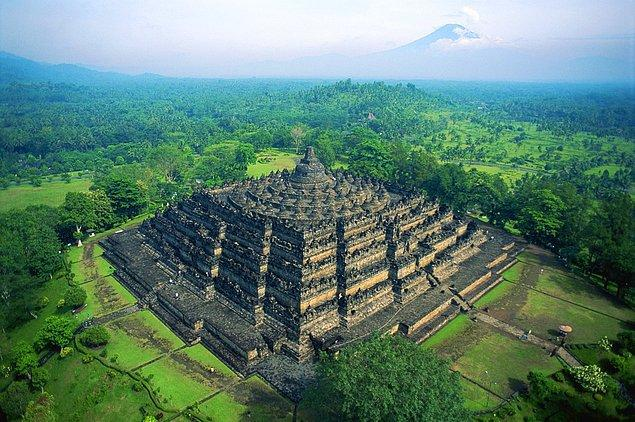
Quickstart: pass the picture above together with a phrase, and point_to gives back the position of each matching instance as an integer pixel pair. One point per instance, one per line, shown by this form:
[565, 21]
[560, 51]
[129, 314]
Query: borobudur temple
[287, 265]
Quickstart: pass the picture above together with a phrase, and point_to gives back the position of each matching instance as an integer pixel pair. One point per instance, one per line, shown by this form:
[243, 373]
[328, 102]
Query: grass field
[549, 296]
[270, 161]
[50, 193]
[139, 338]
[500, 362]
[92, 392]
[492, 359]
[105, 295]
[199, 374]
[252, 399]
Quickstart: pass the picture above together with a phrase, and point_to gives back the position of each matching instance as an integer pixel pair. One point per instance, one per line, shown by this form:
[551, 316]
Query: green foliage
[224, 162]
[590, 378]
[29, 255]
[42, 409]
[75, 297]
[372, 158]
[39, 378]
[23, 358]
[387, 378]
[87, 210]
[127, 195]
[95, 336]
[56, 332]
[15, 399]
[541, 388]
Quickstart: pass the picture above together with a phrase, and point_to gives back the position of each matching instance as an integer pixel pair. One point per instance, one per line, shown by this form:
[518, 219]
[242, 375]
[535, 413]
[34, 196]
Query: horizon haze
[576, 41]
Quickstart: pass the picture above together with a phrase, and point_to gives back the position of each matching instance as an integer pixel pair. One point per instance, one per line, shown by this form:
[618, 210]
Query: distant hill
[19, 69]
[452, 52]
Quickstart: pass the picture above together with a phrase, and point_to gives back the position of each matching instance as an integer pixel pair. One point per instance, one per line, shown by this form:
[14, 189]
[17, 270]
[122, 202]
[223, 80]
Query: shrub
[14, 399]
[114, 358]
[605, 344]
[57, 331]
[590, 378]
[75, 297]
[626, 342]
[137, 386]
[615, 363]
[87, 359]
[95, 336]
[39, 378]
[66, 351]
[103, 353]
[559, 376]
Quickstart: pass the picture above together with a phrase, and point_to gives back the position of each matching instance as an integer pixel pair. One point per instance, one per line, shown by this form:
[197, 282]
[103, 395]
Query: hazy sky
[190, 37]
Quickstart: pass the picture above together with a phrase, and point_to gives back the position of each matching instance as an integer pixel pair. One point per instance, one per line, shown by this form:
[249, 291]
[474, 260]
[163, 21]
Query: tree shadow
[516, 384]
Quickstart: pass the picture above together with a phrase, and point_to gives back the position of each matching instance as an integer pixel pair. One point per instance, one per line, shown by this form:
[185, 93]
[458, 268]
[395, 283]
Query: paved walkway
[515, 331]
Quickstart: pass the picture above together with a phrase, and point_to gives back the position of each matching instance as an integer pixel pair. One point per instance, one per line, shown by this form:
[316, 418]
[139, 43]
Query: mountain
[451, 32]
[452, 52]
[19, 69]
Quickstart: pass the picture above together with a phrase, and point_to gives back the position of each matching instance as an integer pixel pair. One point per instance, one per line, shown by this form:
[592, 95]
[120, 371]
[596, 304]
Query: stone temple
[268, 272]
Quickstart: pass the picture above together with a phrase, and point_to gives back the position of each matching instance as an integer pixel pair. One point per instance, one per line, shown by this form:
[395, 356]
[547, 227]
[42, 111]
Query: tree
[127, 195]
[298, 133]
[540, 216]
[57, 331]
[75, 297]
[15, 399]
[171, 161]
[95, 336]
[224, 162]
[372, 158]
[87, 210]
[39, 378]
[41, 409]
[387, 378]
[23, 359]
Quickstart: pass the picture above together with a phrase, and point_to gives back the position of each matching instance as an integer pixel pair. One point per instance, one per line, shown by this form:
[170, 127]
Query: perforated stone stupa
[276, 269]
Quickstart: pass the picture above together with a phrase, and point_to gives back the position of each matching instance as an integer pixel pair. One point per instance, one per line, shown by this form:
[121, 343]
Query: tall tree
[387, 378]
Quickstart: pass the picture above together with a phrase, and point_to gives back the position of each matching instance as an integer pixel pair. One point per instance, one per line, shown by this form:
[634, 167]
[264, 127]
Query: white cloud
[471, 13]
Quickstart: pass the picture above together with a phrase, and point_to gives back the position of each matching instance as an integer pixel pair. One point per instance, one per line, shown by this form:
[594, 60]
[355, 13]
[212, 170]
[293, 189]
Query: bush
[559, 376]
[103, 353]
[626, 342]
[14, 399]
[75, 297]
[39, 378]
[541, 388]
[615, 363]
[87, 359]
[590, 378]
[66, 351]
[137, 386]
[95, 336]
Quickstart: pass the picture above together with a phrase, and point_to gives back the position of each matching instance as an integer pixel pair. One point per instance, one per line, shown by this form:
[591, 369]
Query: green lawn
[557, 297]
[270, 161]
[252, 399]
[188, 375]
[477, 398]
[50, 193]
[105, 295]
[501, 363]
[493, 295]
[91, 269]
[92, 392]
[457, 325]
[139, 338]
